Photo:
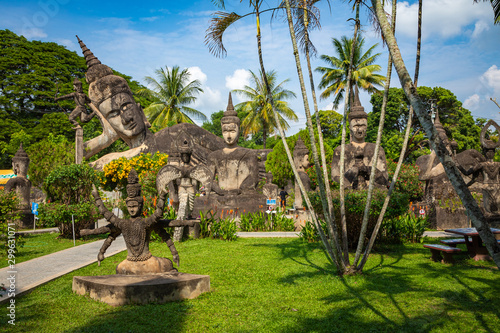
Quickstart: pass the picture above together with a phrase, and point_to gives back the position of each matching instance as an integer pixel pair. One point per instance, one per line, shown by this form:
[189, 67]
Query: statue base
[26, 221]
[121, 289]
[300, 218]
[229, 205]
[153, 265]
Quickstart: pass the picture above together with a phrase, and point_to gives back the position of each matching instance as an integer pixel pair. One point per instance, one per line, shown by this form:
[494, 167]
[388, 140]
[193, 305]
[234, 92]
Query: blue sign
[271, 202]
[34, 208]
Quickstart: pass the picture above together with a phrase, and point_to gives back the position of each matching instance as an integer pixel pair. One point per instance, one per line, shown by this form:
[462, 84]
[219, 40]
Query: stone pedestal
[300, 217]
[120, 289]
[79, 146]
[25, 221]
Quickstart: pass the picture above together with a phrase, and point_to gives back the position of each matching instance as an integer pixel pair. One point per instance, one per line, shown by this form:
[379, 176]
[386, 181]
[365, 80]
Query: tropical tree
[496, 9]
[473, 211]
[171, 93]
[364, 69]
[258, 110]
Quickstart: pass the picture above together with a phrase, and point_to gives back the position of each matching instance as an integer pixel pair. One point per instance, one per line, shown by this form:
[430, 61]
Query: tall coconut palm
[172, 92]
[258, 110]
[496, 9]
[470, 204]
[364, 69]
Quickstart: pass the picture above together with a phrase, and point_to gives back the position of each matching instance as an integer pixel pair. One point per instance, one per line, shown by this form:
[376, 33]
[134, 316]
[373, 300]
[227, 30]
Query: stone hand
[176, 260]
[95, 193]
[100, 257]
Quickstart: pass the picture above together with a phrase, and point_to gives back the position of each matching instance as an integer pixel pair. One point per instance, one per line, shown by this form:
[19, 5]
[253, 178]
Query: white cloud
[479, 28]
[208, 102]
[66, 42]
[30, 33]
[197, 74]
[149, 19]
[239, 79]
[445, 18]
[472, 102]
[491, 78]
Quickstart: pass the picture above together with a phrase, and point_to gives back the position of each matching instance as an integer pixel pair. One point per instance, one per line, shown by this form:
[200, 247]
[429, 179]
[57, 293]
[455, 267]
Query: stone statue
[270, 190]
[80, 100]
[21, 184]
[301, 160]
[235, 171]
[122, 118]
[487, 172]
[184, 178]
[136, 232]
[359, 154]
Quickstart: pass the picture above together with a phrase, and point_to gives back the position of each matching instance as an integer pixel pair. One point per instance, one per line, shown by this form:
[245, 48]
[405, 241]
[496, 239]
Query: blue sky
[460, 49]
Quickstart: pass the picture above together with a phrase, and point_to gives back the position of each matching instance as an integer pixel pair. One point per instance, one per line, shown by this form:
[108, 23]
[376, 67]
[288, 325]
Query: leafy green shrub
[280, 222]
[405, 228]
[8, 214]
[355, 202]
[224, 229]
[206, 221]
[407, 180]
[69, 188]
[310, 234]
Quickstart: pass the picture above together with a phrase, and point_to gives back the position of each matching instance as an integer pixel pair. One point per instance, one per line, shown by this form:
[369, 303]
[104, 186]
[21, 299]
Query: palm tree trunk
[311, 136]
[471, 206]
[264, 137]
[331, 253]
[332, 228]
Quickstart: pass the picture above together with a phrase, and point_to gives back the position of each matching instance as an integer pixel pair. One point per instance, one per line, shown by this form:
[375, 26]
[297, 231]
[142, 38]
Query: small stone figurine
[136, 232]
[80, 100]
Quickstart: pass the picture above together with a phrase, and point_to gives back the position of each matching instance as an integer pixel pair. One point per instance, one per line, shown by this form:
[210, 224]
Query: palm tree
[334, 78]
[258, 110]
[470, 204]
[171, 92]
[496, 9]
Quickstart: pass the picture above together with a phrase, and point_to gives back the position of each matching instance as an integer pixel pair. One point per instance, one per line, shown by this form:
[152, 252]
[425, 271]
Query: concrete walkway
[35, 272]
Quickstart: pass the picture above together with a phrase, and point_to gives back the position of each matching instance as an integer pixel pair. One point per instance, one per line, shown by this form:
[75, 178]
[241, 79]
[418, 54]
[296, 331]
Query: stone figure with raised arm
[136, 231]
[184, 177]
[81, 100]
[359, 154]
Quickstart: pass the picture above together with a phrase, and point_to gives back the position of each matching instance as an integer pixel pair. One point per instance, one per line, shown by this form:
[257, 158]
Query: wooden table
[475, 246]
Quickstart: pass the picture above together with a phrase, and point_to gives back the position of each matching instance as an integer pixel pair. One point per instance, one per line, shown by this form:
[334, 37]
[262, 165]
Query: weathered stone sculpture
[359, 154]
[235, 171]
[184, 178]
[81, 100]
[270, 190]
[21, 184]
[301, 160]
[137, 231]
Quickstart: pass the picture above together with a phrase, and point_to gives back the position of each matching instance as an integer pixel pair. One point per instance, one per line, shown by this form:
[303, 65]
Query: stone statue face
[20, 168]
[358, 129]
[305, 161]
[230, 133]
[124, 115]
[185, 157]
[490, 154]
[134, 208]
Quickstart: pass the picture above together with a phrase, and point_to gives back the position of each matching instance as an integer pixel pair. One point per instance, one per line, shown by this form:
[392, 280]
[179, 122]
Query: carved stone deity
[235, 170]
[270, 190]
[359, 154]
[137, 232]
[21, 184]
[81, 100]
[301, 160]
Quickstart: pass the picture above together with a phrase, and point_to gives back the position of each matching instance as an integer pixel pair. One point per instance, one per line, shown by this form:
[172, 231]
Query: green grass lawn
[37, 245]
[284, 285]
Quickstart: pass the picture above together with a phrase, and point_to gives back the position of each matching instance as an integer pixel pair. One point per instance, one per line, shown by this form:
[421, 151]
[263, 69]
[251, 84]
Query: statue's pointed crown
[438, 125]
[133, 187]
[230, 116]
[21, 155]
[357, 110]
[300, 148]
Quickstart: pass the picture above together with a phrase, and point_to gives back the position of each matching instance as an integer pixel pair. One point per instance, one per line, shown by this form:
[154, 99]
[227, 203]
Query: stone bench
[447, 251]
[454, 241]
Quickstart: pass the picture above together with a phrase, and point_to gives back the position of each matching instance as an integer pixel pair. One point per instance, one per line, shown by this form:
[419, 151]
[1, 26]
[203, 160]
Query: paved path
[32, 273]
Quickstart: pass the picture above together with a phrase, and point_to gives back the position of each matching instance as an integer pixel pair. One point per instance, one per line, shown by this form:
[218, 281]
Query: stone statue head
[134, 199]
[358, 122]
[489, 146]
[184, 146]
[301, 155]
[230, 125]
[442, 134]
[20, 162]
[112, 95]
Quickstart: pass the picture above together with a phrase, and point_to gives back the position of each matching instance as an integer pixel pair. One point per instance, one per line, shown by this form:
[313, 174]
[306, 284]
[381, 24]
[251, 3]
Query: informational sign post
[34, 211]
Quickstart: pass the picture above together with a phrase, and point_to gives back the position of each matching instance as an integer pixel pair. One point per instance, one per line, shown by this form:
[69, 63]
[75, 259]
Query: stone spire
[230, 116]
[21, 155]
[95, 69]
[300, 148]
[438, 125]
[357, 110]
[133, 187]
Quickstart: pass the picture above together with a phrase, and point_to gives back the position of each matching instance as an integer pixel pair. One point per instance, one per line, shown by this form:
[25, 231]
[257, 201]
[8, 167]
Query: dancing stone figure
[81, 100]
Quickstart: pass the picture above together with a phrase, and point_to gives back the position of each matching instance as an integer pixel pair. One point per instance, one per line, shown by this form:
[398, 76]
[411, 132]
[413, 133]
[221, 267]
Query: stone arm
[106, 139]
[158, 214]
[430, 171]
[68, 96]
[214, 185]
[109, 216]
[165, 236]
[473, 170]
[115, 232]
[12, 184]
[252, 179]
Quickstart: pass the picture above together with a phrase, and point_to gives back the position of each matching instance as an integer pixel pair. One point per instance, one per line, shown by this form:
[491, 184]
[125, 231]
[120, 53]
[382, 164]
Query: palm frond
[218, 25]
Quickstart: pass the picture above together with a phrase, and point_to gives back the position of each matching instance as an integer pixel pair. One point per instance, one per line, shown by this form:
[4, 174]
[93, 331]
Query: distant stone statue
[487, 173]
[270, 190]
[359, 154]
[81, 100]
[301, 160]
[183, 178]
[21, 184]
[235, 171]
[136, 232]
